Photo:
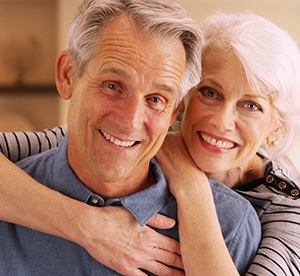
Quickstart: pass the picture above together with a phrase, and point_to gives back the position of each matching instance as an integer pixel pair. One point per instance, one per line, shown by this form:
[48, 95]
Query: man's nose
[130, 119]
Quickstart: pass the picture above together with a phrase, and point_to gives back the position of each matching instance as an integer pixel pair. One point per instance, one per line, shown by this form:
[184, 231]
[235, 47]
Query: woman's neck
[239, 176]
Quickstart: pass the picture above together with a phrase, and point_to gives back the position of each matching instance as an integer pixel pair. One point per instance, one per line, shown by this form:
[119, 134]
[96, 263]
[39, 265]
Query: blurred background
[33, 32]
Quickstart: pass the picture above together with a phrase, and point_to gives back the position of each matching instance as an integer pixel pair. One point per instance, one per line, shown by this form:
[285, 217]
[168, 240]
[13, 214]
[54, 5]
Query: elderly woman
[238, 125]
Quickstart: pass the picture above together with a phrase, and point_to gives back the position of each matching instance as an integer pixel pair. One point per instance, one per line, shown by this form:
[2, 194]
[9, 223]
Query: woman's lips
[216, 142]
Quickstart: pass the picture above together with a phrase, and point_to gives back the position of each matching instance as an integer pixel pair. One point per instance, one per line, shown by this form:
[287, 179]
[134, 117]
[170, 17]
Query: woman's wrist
[189, 186]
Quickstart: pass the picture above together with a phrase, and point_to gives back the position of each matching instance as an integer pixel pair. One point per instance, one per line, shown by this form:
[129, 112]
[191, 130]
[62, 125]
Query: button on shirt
[277, 202]
[27, 252]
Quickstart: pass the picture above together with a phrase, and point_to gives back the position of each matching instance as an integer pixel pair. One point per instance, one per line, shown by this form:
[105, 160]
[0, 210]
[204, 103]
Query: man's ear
[64, 74]
[182, 106]
[179, 108]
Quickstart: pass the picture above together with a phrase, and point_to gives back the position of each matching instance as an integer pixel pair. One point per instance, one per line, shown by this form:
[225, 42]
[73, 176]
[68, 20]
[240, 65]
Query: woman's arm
[106, 233]
[203, 248]
[19, 145]
[279, 251]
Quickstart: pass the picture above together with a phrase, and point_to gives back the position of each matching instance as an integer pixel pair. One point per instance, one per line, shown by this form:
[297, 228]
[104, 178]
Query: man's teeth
[217, 143]
[116, 141]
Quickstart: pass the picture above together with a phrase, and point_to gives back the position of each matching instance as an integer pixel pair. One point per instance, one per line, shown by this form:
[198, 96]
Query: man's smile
[116, 141]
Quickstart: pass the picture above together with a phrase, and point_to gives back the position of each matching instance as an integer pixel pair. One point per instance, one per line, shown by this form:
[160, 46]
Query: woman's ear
[64, 74]
[274, 138]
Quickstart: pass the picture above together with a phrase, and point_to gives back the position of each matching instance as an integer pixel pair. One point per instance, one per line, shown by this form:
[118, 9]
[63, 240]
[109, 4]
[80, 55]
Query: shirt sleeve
[19, 145]
[279, 251]
[239, 223]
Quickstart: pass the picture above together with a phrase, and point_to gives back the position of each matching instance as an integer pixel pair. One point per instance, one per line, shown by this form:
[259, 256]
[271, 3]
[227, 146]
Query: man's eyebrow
[166, 88]
[115, 70]
[125, 74]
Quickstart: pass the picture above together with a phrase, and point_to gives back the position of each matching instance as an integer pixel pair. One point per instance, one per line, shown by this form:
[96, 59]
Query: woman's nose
[224, 119]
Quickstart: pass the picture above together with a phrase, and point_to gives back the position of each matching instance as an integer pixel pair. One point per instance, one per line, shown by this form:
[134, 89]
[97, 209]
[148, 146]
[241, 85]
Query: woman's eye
[209, 95]
[208, 92]
[253, 106]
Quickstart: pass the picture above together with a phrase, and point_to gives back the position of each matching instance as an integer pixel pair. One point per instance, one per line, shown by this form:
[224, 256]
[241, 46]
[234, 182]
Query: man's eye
[112, 86]
[157, 103]
[155, 99]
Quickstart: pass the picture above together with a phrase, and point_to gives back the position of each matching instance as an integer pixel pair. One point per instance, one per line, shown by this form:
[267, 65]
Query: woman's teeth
[217, 143]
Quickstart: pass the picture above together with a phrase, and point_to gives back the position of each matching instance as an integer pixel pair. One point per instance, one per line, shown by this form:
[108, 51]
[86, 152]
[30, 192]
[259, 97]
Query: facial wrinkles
[139, 77]
[149, 69]
[227, 77]
[250, 132]
[141, 47]
[138, 63]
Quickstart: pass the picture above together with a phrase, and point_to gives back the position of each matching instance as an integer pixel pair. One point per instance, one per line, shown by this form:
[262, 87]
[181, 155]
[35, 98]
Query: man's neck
[126, 187]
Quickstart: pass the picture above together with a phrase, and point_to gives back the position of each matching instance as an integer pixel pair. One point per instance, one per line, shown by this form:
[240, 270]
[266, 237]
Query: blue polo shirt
[27, 252]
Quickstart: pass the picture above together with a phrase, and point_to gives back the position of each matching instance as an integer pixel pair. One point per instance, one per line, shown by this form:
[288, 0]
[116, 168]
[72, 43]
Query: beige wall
[285, 14]
[28, 33]
[28, 43]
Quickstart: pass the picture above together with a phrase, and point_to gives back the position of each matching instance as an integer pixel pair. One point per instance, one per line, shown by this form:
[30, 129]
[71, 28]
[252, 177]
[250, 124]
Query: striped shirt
[19, 145]
[275, 197]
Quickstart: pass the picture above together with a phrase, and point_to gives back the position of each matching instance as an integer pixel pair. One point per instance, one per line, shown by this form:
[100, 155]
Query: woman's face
[225, 122]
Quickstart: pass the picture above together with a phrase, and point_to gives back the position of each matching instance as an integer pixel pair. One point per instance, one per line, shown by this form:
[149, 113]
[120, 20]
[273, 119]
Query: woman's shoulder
[277, 181]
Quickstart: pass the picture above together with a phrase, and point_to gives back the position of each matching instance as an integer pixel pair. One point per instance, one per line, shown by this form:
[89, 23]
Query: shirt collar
[142, 205]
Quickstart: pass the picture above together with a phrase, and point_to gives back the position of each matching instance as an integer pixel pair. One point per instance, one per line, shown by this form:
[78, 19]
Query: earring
[275, 143]
[271, 144]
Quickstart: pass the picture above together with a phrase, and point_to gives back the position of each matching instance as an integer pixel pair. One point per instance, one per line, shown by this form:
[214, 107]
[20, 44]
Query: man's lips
[223, 144]
[116, 141]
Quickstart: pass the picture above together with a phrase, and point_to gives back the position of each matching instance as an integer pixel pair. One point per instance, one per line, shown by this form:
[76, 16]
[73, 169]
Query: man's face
[122, 105]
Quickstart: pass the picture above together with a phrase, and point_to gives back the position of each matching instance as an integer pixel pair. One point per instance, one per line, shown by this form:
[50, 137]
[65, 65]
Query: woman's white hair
[271, 60]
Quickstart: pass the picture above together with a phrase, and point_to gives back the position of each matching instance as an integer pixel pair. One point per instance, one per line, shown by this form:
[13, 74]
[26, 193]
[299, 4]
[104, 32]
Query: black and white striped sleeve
[18, 145]
[279, 250]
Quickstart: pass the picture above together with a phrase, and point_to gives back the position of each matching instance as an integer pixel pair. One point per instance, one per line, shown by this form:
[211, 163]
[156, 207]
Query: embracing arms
[203, 248]
[99, 230]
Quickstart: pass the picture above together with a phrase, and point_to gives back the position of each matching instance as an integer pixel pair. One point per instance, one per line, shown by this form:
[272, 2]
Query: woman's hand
[203, 249]
[113, 236]
[110, 234]
[177, 164]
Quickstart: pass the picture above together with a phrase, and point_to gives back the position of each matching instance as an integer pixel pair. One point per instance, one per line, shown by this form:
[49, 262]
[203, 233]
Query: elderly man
[128, 65]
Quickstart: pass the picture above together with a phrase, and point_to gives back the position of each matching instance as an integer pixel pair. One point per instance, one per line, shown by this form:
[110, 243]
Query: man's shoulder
[234, 211]
[36, 161]
[222, 193]
[239, 223]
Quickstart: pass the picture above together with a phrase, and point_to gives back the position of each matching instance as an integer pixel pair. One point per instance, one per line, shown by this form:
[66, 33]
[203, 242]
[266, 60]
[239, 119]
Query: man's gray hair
[164, 19]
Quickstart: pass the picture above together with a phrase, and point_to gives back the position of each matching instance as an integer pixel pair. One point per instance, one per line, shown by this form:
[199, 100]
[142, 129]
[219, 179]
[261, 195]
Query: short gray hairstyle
[165, 19]
[271, 60]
